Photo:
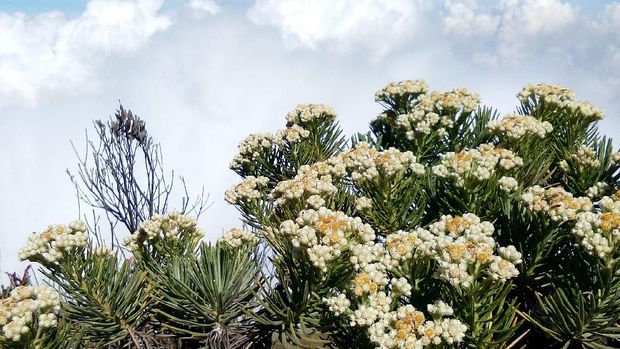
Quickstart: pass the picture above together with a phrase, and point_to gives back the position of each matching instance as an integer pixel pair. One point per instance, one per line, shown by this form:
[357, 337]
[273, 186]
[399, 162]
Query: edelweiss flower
[307, 113]
[599, 232]
[324, 234]
[559, 204]
[247, 190]
[475, 165]
[25, 307]
[167, 229]
[514, 127]
[236, 237]
[52, 244]
[561, 98]
[397, 90]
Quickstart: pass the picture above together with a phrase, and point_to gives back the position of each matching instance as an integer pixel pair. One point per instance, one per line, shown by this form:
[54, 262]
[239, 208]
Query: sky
[204, 74]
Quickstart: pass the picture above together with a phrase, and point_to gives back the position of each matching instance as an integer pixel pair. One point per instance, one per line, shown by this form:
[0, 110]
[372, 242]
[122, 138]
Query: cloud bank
[54, 55]
[376, 25]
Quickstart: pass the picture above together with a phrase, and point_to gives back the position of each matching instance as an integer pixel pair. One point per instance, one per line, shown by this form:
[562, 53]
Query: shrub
[444, 226]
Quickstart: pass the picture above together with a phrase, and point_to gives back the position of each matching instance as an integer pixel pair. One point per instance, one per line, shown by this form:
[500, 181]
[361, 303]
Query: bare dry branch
[121, 172]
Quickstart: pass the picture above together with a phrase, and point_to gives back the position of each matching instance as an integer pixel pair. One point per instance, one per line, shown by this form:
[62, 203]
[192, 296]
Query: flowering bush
[28, 308]
[445, 226]
[172, 288]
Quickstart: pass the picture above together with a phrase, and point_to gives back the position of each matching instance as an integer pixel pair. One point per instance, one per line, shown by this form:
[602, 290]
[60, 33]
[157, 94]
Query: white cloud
[464, 19]
[511, 28]
[609, 27]
[527, 21]
[536, 17]
[209, 7]
[377, 25]
[612, 17]
[51, 53]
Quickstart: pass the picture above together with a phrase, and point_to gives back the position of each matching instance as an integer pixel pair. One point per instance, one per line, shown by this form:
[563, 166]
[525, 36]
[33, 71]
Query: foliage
[442, 205]
[444, 226]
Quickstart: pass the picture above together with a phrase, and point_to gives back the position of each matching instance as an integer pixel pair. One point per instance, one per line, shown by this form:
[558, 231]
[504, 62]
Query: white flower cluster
[23, 306]
[314, 182]
[363, 204]
[169, 227]
[465, 244]
[362, 163]
[476, 164]
[597, 190]
[586, 158]
[247, 190]
[615, 157]
[423, 119]
[255, 146]
[366, 163]
[315, 201]
[561, 97]
[460, 245]
[252, 148]
[514, 127]
[416, 123]
[293, 134]
[587, 110]
[599, 233]
[370, 279]
[325, 234]
[404, 245]
[371, 264]
[308, 113]
[610, 203]
[439, 309]
[401, 286]
[396, 90]
[54, 242]
[559, 204]
[508, 184]
[453, 101]
[236, 237]
[426, 112]
[338, 304]
[463, 248]
[549, 93]
[510, 253]
[408, 327]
